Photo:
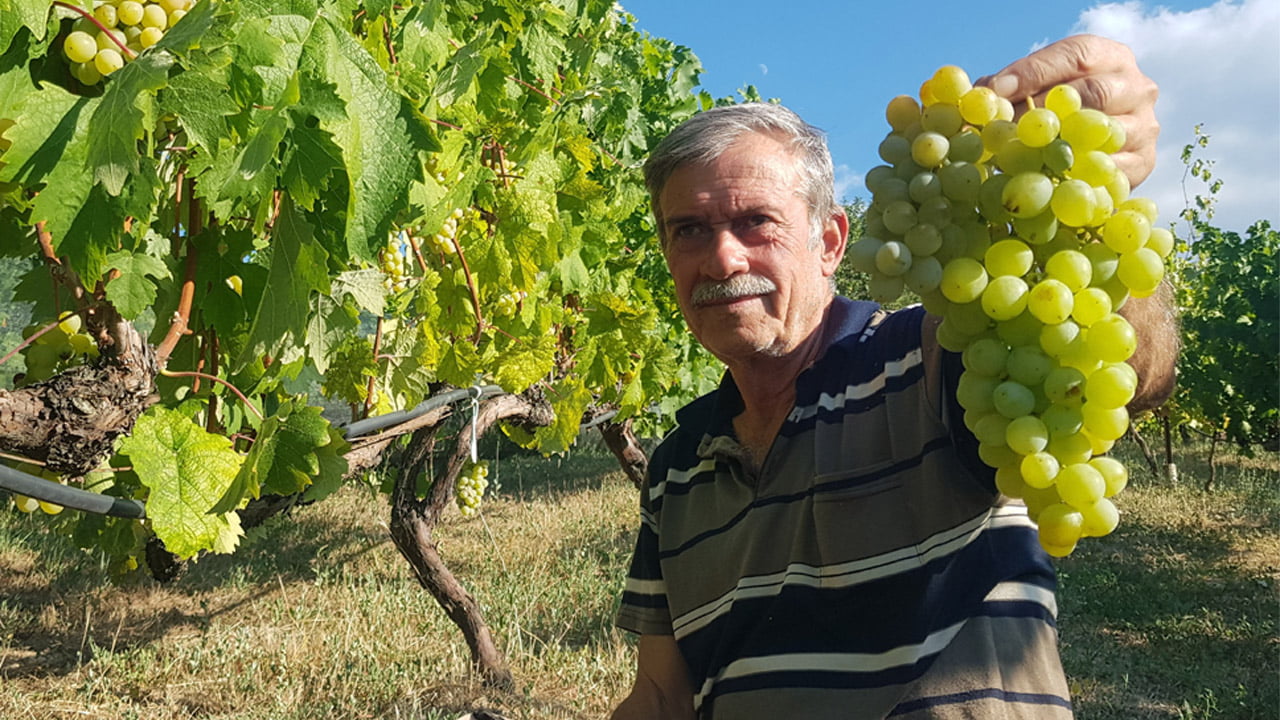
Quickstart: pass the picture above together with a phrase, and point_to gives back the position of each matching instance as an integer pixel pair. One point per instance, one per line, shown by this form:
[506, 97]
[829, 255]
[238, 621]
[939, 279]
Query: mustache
[731, 289]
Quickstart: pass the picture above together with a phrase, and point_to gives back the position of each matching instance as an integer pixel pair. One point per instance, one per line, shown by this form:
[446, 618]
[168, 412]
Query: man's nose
[727, 254]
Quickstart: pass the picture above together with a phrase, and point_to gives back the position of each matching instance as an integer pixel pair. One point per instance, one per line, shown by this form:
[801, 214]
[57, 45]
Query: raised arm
[1108, 79]
[662, 690]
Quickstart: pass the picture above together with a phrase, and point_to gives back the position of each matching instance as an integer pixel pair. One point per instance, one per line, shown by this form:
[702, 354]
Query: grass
[317, 616]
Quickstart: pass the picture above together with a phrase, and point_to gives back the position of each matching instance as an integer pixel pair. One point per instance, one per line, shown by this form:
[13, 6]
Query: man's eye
[687, 232]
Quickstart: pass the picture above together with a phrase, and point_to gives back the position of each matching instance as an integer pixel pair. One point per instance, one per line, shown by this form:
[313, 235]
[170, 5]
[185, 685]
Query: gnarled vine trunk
[622, 442]
[413, 523]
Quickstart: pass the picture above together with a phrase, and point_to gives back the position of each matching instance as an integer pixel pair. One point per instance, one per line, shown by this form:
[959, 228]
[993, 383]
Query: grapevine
[1022, 236]
[470, 488]
[100, 43]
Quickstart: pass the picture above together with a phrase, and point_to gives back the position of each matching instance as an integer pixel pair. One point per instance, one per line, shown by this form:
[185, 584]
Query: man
[818, 538]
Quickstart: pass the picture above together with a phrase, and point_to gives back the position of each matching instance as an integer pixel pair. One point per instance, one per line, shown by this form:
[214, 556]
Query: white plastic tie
[475, 424]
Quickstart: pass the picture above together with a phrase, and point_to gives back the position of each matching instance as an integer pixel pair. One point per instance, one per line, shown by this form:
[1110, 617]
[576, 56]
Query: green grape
[1063, 100]
[1012, 399]
[1073, 203]
[969, 318]
[1009, 482]
[862, 254]
[924, 276]
[1116, 137]
[942, 118]
[1090, 305]
[1062, 420]
[1113, 473]
[1104, 206]
[1160, 242]
[1111, 339]
[894, 148]
[106, 14]
[79, 47]
[996, 134]
[908, 168]
[154, 16]
[876, 176]
[975, 392]
[924, 186]
[949, 83]
[899, 216]
[1065, 385]
[108, 61]
[130, 12]
[1057, 339]
[1080, 485]
[948, 336]
[1117, 291]
[1060, 525]
[1094, 167]
[1100, 519]
[1086, 129]
[1070, 449]
[979, 105]
[892, 190]
[929, 149]
[86, 72]
[893, 258]
[1015, 157]
[991, 428]
[901, 112]
[1071, 268]
[923, 239]
[1026, 435]
[1141, 271]
[961, 182]
[1027, 194]
[990, 199]
[175, 16]
[1105, 423]
[1118, 188]
[1006, 111]
[998, 456]
[1146, 206]
[1126, 231]
[966, 146]
[150, 36]
[963, 280]
[1029, 365]
[1037, 230]
[935, 211]
[1050, 301]
[1004, 298]
[1008, 257]
[933, 301]
[1039, 470]
[885, 288]
[1104, 261]
[25, 504]
[1058, 156]
[1038, 127]
[1022, 330]
[986, 356]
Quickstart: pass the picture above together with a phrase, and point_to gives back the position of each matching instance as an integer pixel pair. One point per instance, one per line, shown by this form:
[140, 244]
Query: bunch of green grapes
[394, 261]
[1021, 235]
[471, 486]
[508, 304]
[29, 504]
[123, 28]
[62, 347]
[444, 240]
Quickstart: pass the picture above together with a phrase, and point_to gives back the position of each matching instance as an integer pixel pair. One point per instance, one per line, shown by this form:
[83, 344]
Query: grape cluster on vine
[119, 30]
[57, 349]
[508, 304]
[394, 262]
[1021, 235]
[28, 505]
[469, 491]
[448, 235]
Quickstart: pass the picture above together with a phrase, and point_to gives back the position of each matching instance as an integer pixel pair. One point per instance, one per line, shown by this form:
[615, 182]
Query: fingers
[1107, 77]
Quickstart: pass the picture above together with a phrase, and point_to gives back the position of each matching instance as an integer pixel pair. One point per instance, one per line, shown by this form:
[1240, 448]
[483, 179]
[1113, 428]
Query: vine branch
[89, 16]
[214, 378]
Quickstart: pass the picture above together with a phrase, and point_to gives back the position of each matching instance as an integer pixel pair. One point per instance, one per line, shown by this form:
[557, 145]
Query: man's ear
[835, 233]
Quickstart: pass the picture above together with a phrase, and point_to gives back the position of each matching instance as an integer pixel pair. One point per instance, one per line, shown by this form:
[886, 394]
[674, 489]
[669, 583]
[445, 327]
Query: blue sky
[838, 63]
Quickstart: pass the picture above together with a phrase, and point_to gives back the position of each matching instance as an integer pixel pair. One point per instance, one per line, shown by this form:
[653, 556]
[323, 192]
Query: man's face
[737, 241]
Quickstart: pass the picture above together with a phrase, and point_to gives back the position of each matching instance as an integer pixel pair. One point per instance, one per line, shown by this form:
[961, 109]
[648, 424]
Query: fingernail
[1005, 85]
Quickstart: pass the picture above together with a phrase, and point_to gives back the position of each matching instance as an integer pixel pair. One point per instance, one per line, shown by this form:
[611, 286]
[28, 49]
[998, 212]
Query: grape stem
[377, 348]
[471, 285]
[214, 378]
[89, 16]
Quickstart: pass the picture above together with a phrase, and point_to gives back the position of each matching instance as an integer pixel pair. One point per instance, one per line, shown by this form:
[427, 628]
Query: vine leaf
[131, 292]
[285, 458]
[186, 470]
[120, 120]
[299, 266]
[17, 14]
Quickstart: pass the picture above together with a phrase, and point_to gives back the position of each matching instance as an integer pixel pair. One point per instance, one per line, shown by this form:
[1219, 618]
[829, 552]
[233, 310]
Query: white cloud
[1216, 65]
[848, 183]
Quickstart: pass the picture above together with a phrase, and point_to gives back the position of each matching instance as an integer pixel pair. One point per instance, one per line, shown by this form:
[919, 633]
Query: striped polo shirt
[869, 569]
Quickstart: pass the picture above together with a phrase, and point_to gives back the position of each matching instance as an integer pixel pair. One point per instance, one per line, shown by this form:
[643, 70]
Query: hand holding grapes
[1107, 77]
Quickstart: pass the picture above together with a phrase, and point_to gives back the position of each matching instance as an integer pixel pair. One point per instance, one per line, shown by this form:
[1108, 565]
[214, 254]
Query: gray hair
[706, 136]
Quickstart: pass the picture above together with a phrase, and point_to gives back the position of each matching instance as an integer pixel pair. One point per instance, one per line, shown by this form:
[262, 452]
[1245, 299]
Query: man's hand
[1108, 79]
[662, 690]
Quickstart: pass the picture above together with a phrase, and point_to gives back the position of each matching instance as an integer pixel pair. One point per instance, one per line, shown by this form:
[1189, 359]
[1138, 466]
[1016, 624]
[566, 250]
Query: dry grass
[317, 616]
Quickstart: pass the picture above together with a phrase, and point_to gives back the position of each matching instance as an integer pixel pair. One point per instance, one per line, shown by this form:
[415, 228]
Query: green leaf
[122, 117]
[569, 400]
[17, 14]
[283, 459]
[186, 470]
[333, 467]
[298, 268]
[526, 363]
[131, 292]
[379, 178]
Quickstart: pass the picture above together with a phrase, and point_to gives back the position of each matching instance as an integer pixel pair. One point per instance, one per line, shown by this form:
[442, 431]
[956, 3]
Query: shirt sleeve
[644, 607]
